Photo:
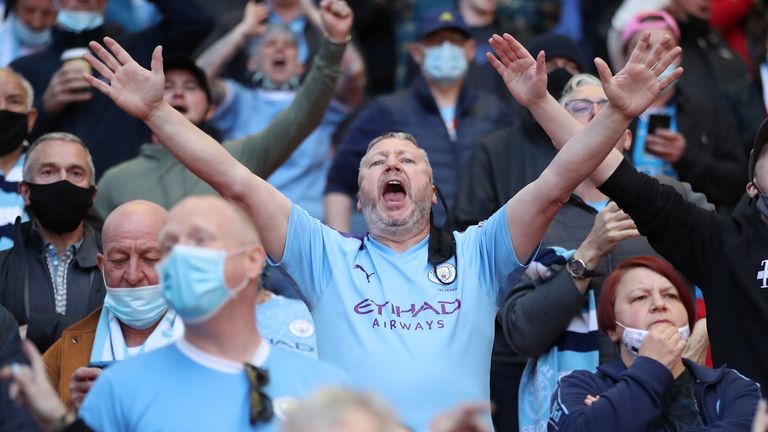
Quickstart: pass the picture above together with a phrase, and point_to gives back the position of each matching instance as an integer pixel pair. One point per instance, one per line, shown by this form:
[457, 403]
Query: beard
[381, 223]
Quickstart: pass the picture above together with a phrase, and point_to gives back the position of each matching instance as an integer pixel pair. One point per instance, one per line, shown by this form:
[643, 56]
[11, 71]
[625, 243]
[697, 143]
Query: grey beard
[377, 224]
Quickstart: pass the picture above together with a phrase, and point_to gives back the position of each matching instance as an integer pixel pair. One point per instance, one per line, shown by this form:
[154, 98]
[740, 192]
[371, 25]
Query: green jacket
[155, 175]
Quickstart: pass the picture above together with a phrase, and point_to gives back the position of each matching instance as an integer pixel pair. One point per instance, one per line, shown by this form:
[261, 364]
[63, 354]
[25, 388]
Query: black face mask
[694, 27]
[60, 206]
[13, 130]
[556, 81]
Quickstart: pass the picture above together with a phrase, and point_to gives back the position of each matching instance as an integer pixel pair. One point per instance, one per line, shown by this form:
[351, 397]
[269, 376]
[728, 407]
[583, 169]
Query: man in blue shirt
[408, 310]
[210, 275]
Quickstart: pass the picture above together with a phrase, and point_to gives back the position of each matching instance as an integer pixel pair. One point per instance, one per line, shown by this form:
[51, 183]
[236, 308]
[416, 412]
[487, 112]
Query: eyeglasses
[582, 107]
[261, 404]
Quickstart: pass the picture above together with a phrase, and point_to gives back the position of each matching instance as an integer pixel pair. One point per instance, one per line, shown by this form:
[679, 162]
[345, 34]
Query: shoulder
[85, 325]
[304, 368]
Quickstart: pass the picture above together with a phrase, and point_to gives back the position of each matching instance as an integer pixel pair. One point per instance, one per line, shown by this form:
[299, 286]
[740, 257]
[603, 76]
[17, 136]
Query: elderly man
[135, 317]
[64, 101]
[221, 375]
[439, 109]
[26, 29]
[49, 279]
[156, 176]
[408, 293]
[17, 116]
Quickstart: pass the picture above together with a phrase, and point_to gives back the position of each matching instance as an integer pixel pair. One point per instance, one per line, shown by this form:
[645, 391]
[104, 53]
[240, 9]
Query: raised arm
[139, 92]
[220, 52]
[530, 212]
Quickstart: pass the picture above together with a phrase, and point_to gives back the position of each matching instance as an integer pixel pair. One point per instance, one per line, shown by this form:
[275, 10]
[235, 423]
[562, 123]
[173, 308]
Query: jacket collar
[424, 97]
[85, 254]
[700, 373]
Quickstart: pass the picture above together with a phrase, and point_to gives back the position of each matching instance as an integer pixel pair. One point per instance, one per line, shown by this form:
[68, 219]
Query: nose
[392, 163]
[658, 302]
[133, 275]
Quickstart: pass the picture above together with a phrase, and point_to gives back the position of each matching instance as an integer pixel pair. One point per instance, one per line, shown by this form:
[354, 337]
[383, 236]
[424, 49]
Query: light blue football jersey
[389, 321]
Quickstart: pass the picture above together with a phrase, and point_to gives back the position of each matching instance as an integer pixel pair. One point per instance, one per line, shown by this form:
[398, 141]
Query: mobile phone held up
[100, 364]
[656, 121]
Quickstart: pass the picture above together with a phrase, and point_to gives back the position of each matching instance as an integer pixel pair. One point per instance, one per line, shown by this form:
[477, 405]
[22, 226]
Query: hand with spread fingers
[525, 77]
[638, 84]
[134, 89]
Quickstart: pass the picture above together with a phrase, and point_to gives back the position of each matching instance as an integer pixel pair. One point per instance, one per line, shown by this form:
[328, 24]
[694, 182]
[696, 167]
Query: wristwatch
[578, 270]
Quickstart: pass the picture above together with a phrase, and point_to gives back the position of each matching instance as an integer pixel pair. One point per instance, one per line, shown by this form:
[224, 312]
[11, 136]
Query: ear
[417, 52]
[252, 65]
[31, 118]
[299, 68]
[751, 190]
[100, 262]
[257, 259]
[470, 46]
[358, 206]
[434, 195]
[24, 192]
[615, 334]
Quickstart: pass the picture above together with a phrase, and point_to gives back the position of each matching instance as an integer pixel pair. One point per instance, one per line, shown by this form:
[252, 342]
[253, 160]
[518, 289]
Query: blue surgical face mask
[193, 282]
[27, 36]
[445, 63]
[79, 21]
[137, 308]
[633, 338]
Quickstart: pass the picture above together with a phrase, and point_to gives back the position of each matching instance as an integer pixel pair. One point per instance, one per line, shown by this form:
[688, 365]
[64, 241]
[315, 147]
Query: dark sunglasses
[261, 404]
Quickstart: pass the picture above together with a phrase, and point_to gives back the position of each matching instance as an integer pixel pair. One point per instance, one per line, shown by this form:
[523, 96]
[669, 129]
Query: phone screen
[656, 121]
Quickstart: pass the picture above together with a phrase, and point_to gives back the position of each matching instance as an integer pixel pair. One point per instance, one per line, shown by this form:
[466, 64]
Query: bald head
[130, 241]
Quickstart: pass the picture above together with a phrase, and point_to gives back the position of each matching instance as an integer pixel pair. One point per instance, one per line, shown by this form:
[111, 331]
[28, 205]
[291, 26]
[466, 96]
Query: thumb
[157, 60]
[603, 71]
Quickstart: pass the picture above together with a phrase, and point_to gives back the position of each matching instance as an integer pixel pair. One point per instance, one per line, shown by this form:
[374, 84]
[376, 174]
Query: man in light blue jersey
[221, 375]
[17, 116]
[408, 310]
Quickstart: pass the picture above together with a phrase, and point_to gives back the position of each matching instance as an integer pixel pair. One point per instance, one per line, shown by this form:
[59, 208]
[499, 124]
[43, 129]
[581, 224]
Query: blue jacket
[630, 398]
[414, 111]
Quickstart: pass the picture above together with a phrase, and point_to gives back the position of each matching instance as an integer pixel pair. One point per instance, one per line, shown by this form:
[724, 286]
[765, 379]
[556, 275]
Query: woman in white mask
[646, 310]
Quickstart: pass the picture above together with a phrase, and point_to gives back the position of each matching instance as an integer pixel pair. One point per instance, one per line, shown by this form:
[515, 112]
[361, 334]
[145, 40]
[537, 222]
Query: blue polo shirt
[387, 319]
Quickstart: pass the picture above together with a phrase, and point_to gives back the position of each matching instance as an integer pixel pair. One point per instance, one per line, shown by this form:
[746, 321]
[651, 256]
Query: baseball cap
[185, 63]
[439, 19]
[649, 20]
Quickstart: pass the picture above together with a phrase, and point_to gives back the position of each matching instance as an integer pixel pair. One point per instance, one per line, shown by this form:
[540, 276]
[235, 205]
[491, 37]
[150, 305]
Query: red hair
[606, 316]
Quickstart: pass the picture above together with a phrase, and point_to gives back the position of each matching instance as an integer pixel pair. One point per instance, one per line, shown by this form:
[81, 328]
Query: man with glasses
[222, 375]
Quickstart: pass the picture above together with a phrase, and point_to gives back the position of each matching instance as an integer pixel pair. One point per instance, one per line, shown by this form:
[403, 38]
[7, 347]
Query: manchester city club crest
[445, 274]
[301, 328]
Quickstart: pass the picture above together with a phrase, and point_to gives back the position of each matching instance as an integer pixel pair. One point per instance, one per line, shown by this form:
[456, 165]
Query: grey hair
[405, 136]
[273, 28]
[25, 84]
[323, 411]
[56, 136]
[576, 82]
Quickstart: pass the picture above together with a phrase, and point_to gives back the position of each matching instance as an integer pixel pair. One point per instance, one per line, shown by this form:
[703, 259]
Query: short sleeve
[101, 410]
[488, 248]
[305, 257]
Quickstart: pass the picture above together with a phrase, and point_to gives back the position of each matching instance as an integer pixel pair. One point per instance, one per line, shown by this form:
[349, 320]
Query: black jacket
[13, 418]
[111, 135]
[713, 161]
[726, 257]
[26, 289]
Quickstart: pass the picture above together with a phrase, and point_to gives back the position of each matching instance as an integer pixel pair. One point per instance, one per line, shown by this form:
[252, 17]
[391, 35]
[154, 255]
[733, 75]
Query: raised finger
[656, 53]
[100, 67]
[501, 49]
[99, 85]
[640, 52]
[119, 52]
[541, 63]
[517, 48]
[103, 55]
[606, 77]
[495, 63]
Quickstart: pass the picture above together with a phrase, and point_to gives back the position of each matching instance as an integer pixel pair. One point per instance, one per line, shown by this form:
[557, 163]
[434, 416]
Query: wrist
[61, 420]
[337, 39]
[588, 255]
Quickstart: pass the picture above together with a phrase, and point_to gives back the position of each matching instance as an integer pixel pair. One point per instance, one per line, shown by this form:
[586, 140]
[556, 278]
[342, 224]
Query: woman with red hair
[645, 308]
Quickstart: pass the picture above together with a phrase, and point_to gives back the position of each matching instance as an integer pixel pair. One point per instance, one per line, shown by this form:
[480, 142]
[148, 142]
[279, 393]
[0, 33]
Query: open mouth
[394, 191]
[180, 108]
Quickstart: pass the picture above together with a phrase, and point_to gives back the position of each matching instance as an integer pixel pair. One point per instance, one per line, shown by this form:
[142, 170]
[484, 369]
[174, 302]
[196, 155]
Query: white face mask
[445, 63]
[633, 338]
[79, 21]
